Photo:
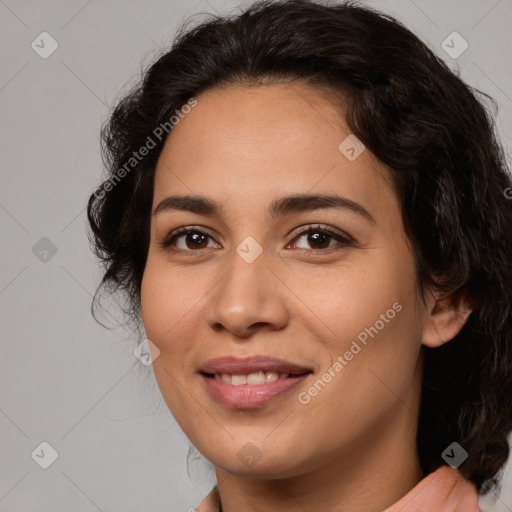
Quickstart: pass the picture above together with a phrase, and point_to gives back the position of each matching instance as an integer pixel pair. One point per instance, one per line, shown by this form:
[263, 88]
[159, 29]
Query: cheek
[168, 298]
[155, 303]
[162, 310]
[167, 308]
[370, 316]
[376, 319]
[369, 371]
[343, 302]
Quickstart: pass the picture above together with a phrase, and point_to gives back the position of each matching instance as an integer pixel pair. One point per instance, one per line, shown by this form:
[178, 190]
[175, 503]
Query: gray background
[65, 379]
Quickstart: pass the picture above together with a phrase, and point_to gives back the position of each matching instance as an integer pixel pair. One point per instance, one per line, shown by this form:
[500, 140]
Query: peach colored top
[444, 490]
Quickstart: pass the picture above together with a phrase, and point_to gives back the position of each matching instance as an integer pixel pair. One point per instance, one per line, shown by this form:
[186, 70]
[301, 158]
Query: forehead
[273, 118]
[264, 141]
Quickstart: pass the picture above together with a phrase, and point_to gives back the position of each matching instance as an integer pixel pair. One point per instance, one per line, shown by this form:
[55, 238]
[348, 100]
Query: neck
[378, 469]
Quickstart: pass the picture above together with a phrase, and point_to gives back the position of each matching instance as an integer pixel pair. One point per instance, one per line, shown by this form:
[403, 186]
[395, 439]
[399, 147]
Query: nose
[248, 299]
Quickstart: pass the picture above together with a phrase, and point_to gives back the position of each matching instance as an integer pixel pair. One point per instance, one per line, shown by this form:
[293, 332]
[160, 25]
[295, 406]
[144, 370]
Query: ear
[446, 316]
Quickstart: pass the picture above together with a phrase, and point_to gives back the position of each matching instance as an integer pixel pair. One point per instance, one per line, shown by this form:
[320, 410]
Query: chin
[245, 455]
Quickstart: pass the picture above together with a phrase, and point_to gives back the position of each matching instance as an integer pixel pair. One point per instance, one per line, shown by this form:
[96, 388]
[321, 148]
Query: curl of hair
[418, 118]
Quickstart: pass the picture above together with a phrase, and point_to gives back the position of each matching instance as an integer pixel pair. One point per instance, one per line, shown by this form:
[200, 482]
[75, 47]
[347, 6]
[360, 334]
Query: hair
[416, 116]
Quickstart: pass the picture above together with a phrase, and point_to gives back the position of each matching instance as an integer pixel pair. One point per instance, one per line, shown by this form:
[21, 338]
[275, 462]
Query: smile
[251, 378]
[250, 382]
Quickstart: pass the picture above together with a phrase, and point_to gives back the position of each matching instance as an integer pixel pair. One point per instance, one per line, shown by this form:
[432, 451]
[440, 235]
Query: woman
[308, 212]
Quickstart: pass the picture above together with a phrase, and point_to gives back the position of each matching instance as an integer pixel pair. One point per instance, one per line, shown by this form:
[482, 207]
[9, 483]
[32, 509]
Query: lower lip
[247, 396]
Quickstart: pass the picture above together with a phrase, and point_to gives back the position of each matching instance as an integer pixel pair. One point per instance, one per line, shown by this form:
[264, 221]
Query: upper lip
[243, 366]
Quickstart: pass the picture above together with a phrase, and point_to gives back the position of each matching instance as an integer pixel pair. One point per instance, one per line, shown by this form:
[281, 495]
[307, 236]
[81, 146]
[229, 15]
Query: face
[289, 330]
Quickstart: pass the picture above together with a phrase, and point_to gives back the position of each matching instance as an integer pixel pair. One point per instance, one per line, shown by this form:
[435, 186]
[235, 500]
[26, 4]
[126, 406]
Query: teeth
[255, 378]
[238, 380]
[271, 376]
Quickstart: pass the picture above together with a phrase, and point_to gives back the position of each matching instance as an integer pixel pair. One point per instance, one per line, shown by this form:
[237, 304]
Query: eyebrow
[278, 208]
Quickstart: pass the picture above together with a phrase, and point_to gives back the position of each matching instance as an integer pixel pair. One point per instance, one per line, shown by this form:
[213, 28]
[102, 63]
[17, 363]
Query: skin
[353, 446]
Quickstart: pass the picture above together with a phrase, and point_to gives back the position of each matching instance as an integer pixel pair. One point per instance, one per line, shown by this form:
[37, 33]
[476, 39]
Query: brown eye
[195, 240]
[186, 240]
[320, 238]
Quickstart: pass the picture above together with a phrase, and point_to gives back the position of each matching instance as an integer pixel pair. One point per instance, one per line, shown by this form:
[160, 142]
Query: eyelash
[343, 239]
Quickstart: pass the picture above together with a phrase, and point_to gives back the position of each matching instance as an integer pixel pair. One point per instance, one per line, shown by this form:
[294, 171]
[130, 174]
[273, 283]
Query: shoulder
[211, 503]
[444, 490]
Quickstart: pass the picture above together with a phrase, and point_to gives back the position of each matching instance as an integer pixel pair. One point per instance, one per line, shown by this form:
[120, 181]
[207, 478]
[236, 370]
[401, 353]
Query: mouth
[254, 370]
[254, 378]
[250, 382]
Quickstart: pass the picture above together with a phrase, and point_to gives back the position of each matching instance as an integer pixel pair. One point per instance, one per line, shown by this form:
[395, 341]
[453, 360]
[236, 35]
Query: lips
[253, 364]
[250, 382]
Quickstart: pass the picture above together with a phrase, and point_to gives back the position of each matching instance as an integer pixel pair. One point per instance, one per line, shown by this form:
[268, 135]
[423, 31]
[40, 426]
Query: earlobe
[446, 317]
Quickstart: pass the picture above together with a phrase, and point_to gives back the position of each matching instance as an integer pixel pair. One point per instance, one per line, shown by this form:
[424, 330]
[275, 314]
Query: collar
[444, 490]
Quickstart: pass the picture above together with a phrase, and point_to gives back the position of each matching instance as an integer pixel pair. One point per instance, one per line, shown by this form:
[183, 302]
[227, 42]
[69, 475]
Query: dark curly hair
[412, 112]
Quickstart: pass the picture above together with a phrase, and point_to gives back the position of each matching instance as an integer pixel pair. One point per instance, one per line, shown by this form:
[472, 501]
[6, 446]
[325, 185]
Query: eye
[321, 239]
[186, 239]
